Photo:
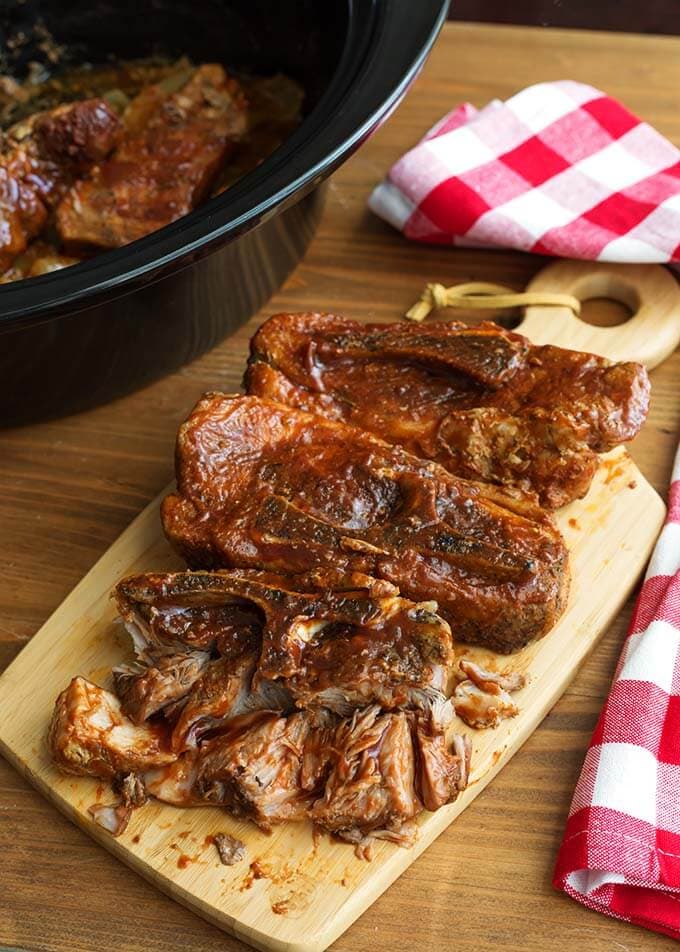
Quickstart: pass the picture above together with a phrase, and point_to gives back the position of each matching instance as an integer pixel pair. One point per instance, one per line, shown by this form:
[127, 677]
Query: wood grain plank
[69, 487]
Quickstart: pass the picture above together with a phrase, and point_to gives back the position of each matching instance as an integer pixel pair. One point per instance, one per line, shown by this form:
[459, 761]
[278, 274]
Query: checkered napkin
[559, 169]
[621, 849]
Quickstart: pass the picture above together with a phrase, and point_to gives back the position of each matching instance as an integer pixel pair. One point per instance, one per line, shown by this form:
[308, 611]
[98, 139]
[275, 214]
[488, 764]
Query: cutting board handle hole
[605, 312]
[629, 311]
[607, 300]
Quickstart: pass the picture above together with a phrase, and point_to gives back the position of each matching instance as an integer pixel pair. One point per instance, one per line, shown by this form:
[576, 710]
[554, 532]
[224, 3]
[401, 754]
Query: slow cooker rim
[273, 185]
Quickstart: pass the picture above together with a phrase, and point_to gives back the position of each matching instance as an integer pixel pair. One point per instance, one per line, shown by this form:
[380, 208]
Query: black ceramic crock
[99, 329]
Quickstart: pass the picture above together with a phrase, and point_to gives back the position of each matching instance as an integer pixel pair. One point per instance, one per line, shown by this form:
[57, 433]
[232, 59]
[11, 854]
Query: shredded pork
[482, 698]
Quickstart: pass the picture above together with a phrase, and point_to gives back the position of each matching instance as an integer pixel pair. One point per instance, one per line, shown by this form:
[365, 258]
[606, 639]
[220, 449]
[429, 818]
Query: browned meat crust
[264, 485]
[162, 170]
[482, 401]
[40, 158]
[337, 648]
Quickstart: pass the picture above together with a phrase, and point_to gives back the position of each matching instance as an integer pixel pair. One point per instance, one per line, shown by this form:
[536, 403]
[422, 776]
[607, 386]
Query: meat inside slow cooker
[100, 157]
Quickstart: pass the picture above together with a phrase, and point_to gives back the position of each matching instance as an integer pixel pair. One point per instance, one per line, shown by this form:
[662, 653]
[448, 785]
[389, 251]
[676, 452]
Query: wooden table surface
[68, 488]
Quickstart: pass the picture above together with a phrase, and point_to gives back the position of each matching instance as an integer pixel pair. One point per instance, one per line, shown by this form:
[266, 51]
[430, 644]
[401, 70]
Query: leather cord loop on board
[480, 294]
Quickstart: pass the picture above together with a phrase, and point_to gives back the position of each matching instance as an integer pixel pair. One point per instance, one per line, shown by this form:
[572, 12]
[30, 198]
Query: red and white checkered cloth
[621, 849]
[559, 169]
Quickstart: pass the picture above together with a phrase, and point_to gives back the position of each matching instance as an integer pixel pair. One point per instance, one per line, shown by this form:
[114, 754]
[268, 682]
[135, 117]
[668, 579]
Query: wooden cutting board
[295, 891]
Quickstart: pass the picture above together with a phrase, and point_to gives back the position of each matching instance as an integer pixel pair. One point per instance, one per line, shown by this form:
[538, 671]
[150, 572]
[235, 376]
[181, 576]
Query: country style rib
[481, 401]
[40, 158]
[173, 147]
[262, 485]
[276, 641]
